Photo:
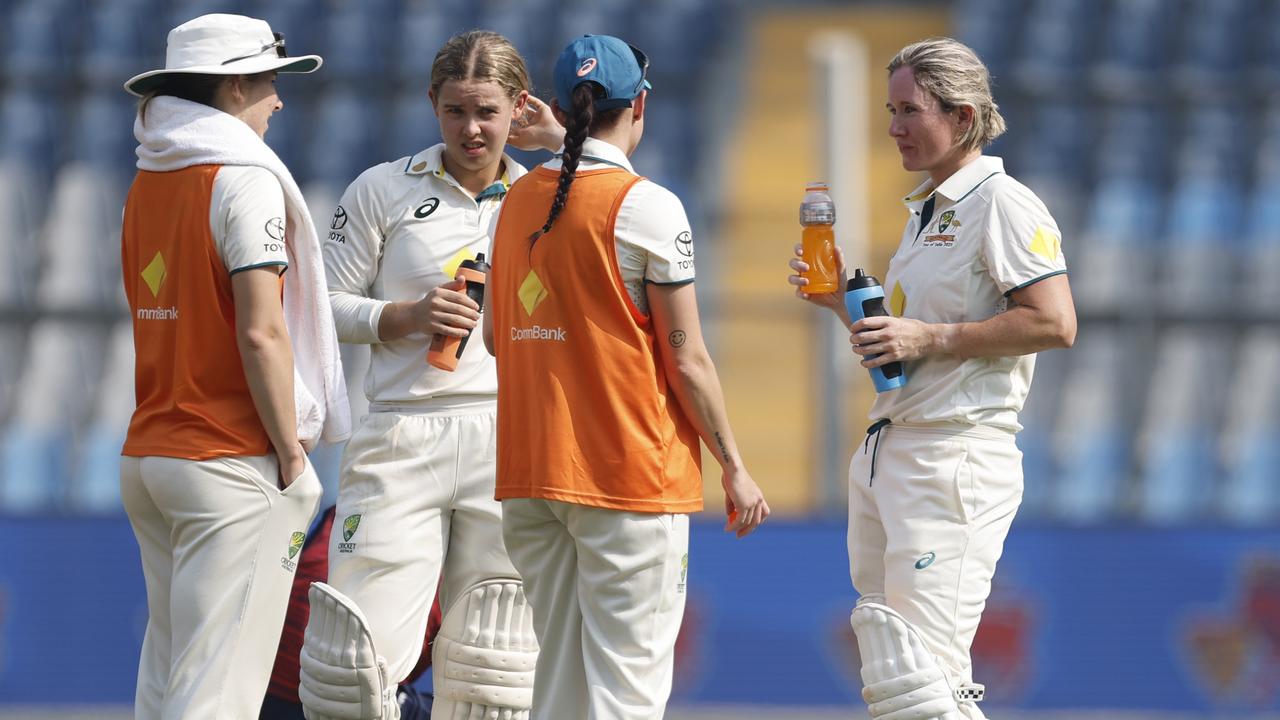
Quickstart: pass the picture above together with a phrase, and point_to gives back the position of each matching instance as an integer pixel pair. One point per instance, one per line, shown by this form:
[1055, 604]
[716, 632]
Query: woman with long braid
[604, 388]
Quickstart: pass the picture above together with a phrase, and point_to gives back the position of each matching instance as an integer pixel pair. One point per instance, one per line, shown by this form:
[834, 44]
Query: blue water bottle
[865, 298]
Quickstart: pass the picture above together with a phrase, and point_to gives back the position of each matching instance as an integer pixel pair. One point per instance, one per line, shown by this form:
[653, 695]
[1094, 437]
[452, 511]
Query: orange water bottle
[446, 350]
[818, 215]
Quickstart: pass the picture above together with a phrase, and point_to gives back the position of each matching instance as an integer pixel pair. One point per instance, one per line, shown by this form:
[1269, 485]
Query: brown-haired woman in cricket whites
[605, 389]
[237, 369]
[415, 504]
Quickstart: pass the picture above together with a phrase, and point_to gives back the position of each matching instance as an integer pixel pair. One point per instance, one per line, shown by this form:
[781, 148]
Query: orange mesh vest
[193, 400]
[585, 413]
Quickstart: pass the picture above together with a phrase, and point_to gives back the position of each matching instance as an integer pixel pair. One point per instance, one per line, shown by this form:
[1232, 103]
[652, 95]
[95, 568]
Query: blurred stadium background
[1142, 578]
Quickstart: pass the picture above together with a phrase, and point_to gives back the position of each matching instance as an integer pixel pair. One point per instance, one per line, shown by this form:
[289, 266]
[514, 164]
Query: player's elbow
[1062, 330]
[691, 367]
[261, 338]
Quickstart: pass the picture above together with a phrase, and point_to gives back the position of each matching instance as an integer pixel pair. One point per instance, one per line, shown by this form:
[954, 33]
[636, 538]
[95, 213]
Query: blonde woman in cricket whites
[977, 286]
[415, 504]
[605, 387]
[238, 373]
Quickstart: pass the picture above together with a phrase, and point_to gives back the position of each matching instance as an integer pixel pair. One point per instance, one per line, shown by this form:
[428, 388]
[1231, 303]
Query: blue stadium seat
[22, 203]
[28, 128]
[1259, 293]
[1111, 267]
[102, 131]
[1093, 429]
[1052, 51]
[356, 40]
[412, 125]
[423, 29]
[118, 38]
[986, 26]
[595, 17]
[679, 36]
[1263, 50]
[1135, 41]
[1250, 440]
[342, 138]
[1036, 438]
[40, 37]
[80, 240]
[528, 24]
[95, 479]
[64, 359]
[1177, 445]
[1201, 245]
[1208, 52]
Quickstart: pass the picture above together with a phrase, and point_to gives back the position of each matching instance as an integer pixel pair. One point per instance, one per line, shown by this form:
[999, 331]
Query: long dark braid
[581, 117]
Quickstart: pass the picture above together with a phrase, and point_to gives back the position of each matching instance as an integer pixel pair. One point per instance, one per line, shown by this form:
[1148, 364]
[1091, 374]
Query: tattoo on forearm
[724, 451]
[676, 338]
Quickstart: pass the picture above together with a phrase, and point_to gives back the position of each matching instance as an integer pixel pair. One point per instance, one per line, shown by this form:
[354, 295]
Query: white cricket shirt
[652, 234]
[401, 229]
[246, 215]
[988, 236]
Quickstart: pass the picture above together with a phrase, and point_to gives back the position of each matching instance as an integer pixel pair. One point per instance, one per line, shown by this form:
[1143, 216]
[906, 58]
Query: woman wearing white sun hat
[215, 477]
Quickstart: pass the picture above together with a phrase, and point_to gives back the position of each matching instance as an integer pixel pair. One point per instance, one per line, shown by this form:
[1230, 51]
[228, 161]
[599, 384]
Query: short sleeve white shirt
[988, 235]
[401, 229]
[652, 234]
[246, 215]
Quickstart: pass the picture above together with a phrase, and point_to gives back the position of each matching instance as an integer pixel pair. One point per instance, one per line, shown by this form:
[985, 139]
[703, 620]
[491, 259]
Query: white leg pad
[900, 676]
[485, 654]
[343, 678]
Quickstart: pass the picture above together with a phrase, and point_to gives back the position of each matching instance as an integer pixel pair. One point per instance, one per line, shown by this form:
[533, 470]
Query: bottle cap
[861, 280]
[478, 264]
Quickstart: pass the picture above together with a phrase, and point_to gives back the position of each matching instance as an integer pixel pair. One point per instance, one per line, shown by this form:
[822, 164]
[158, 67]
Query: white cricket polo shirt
[246, 215]
[651, 233]
[401, 229]
[988, 236]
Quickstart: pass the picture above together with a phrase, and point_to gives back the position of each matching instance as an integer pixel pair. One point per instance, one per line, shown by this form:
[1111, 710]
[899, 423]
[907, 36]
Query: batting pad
[485, 653]
[900, 676]
[342, 676]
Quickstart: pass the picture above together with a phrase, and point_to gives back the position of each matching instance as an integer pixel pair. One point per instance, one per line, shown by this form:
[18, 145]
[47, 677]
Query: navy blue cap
[615, 65]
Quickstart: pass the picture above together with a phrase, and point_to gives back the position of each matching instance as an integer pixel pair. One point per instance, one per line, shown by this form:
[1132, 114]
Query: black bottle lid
[861, 280]
[478, 264]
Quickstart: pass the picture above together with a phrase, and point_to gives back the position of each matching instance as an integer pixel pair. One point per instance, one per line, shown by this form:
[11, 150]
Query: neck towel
[179, 134]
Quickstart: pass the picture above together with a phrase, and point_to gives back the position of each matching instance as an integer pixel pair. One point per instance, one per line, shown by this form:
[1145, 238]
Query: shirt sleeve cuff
[356, 318]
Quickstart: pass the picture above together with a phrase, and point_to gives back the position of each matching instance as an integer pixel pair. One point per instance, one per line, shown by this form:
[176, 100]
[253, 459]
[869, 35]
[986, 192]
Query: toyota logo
[684, 244]
[275, 228]
[339, 219]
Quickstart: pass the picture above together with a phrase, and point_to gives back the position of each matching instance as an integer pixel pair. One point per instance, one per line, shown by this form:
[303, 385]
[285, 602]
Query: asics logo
[586, 67]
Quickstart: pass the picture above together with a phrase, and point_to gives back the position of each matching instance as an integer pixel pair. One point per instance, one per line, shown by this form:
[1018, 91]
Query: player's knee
[486, 652]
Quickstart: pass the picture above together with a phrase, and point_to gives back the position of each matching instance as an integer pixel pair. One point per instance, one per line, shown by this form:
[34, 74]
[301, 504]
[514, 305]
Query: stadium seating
[1124, 116]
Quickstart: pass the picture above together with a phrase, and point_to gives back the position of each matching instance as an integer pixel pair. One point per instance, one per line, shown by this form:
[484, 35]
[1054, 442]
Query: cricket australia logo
[941, 238]
[295, 546]
[349, 527]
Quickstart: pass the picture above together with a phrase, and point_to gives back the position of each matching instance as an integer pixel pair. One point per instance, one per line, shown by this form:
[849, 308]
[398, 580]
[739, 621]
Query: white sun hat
[222, 44]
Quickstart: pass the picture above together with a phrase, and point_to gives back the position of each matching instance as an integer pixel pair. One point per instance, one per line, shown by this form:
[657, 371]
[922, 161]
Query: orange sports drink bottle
[446, 350]
[818, 251]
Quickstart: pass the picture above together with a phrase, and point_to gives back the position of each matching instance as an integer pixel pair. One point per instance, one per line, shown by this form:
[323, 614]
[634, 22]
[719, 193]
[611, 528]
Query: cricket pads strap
[342, 676]
[900, 675]
[485, 654]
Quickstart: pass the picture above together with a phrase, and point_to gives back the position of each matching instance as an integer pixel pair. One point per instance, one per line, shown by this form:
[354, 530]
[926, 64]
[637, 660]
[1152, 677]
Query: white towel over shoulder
[178, 134]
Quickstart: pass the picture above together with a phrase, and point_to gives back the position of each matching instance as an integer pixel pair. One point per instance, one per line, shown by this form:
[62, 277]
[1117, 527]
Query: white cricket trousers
[219, 544]
[927, 529]
[419, 486]
[607, 589]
